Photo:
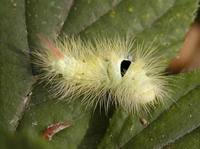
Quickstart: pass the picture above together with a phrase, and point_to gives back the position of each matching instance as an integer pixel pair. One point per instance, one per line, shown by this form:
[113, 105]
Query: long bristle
[92, 70]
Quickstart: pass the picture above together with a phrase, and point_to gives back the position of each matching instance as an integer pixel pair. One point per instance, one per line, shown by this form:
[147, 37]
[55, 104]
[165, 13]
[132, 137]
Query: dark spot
[60, 75]
[106, 60]
[144, 122]
[148, 74]
[124, 66]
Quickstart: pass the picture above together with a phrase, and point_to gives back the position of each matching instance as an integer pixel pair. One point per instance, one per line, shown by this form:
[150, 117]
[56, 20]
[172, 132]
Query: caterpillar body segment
[104, 71]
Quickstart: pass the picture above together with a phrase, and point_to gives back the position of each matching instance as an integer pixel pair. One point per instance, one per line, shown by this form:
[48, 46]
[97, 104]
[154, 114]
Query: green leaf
[16, 77]
[97, 127]
[86, 12]
[23, 140]
[174, 123]
[40, 115]
[147, 20]
[189, 141]
[45, 17]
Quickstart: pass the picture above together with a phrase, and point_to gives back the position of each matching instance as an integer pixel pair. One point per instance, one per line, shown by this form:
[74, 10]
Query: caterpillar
[103, 71]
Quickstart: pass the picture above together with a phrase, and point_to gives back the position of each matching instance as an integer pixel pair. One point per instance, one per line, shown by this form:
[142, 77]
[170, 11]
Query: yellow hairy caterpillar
[104, 71]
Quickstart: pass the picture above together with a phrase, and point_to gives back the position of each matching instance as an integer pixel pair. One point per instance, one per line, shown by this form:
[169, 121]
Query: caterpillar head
[104, 71]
